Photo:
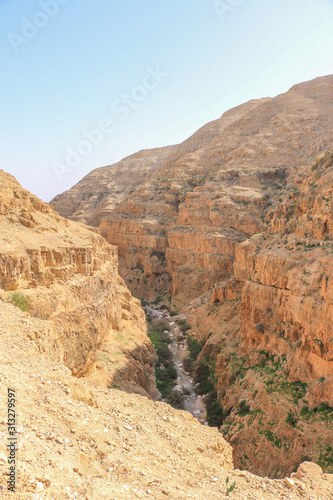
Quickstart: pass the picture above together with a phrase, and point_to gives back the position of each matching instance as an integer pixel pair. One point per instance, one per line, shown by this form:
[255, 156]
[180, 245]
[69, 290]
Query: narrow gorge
[232, 230]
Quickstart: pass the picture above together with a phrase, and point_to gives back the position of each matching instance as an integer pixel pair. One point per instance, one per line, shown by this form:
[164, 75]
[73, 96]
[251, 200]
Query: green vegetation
[204, 376]
[195, 181]
[157, 301]
[194, 347]
[325, 160]
[323, 413]
[273, 374]
[165, 371]
[292, 419]
[230, 488]
[273, 439]
[176, 399]
[243, 408]
[159, 254]
[326, 458]
[203, 372]
[183, 325]
[213, 409]
[19, 300]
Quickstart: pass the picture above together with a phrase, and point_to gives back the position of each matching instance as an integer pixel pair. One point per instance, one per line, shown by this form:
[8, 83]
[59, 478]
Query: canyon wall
[67, 274]
[267, 332]
[212, 187]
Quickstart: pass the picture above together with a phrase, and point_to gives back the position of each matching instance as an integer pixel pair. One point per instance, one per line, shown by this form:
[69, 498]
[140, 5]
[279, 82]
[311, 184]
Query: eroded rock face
[268, 331]
[288, 278]
[206, 194]
[67, 274]
[212, 191]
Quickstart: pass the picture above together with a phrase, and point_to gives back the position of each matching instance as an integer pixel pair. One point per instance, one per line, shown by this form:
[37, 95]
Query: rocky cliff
[206, 194]
[267, 332]
[67, 274]
[213, 231]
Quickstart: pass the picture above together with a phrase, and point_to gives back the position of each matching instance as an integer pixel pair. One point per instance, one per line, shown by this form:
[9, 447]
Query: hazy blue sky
[146, 73]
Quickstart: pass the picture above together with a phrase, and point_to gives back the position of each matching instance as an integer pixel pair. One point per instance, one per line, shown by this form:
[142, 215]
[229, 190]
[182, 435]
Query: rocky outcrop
[67, 274]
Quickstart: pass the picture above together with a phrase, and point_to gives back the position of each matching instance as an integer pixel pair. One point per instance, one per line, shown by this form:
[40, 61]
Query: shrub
[188, 365]
[160, 325]
[323, 160]
[243, 408]
[159, 254]
[202, 377]
[213, 409]
[183, 325]
[176, 399]
[273, 439]
[292, 419]
[260, 328]
[19, 300]
[326, 458]
[157, 300]
[165, 371]
[194, 347]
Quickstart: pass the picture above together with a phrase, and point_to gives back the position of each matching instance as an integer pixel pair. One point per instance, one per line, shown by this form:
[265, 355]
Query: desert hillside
[76, 441]
[111, 185]
[232, 229]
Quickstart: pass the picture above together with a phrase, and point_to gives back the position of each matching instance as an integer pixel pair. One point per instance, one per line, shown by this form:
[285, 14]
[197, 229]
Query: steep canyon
[233, 228]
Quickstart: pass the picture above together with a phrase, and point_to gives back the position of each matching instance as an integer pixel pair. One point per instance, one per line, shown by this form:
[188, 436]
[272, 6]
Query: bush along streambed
[203, 372]
[165, 370]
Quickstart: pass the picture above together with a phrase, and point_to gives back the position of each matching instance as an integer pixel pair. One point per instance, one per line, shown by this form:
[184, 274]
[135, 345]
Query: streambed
[193, 402]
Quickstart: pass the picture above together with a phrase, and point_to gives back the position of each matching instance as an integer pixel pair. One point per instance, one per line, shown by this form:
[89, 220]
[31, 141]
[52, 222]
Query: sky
[84, 84]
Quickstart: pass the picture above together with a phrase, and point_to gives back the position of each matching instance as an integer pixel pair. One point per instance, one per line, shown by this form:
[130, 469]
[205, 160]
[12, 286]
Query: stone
[289, 482]
[309, 469]
[39, 487]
